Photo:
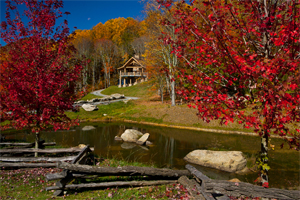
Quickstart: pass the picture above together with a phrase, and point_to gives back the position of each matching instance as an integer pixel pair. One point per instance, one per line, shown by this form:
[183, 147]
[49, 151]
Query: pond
[171, 145]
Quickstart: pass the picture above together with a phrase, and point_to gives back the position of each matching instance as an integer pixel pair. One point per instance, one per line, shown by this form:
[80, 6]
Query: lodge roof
[131, 60]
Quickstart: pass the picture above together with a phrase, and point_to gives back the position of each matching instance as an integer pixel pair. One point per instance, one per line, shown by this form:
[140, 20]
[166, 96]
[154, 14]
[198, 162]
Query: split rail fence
[197, 184]
[20, 155]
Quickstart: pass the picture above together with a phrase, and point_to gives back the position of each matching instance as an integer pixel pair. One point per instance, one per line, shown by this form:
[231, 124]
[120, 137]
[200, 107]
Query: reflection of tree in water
[169, 151]
[215, 144]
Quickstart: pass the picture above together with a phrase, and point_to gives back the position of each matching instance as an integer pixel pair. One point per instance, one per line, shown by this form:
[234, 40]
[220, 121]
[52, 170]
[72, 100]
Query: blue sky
[86, 14]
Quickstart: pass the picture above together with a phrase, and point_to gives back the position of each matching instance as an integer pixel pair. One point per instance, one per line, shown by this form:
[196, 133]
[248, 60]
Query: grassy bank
[31, 184]
[142, 90]
[149, 108]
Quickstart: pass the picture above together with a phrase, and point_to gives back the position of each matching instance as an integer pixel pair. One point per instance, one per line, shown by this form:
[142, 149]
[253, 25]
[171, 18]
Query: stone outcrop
[117, 96]
[103, 99]
[89, 107]
[143, 139]
[131, 135]
[229, 161]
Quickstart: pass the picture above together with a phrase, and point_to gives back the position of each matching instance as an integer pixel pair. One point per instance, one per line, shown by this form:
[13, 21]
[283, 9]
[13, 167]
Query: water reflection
[171, 145]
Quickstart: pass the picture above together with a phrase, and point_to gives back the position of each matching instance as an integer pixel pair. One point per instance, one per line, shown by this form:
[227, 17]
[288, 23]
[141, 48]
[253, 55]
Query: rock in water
[229, 161]
[88, 128]
[131, 135]
[89, 107]
[143, 139]
[118, 138]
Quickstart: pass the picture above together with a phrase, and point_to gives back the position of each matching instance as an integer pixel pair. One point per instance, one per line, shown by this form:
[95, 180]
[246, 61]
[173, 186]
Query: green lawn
[142, 90]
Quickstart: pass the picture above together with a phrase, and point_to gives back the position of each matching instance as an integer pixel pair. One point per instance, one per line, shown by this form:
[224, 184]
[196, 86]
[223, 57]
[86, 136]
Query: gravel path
[98, 93]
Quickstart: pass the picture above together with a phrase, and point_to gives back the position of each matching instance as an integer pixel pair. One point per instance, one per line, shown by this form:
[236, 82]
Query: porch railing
[133, 73]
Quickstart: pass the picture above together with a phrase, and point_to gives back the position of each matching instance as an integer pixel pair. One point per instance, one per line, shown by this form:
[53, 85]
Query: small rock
[234, 180]
[131, 135]
[81, 146]
[143, 139]
[89, 107]
[118, 138]
[148, 143]
[88, 128]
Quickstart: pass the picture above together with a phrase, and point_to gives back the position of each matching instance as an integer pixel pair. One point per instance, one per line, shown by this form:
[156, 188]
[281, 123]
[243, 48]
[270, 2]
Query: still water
[171, 145]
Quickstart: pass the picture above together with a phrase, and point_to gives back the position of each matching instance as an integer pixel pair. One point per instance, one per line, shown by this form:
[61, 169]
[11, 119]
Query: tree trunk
[105, 76]
[264, 159]
[94, 74]
[173, 95]
[162, 95]
[168, 85]
[37, 139]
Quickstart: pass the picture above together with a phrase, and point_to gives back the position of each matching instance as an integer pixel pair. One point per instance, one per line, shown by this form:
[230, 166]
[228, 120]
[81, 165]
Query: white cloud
[89, 19]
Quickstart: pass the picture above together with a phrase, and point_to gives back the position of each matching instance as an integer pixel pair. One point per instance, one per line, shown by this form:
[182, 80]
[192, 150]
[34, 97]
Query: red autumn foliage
[242, 63]
[40, 72]
[238, 58]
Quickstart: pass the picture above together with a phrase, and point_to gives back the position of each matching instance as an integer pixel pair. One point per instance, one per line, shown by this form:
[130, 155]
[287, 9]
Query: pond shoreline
[177, 127]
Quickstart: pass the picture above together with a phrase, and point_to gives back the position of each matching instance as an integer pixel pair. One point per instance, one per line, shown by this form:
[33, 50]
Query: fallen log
[123, 171]
[248, 190]
[191, 186]
[113, 184]
[36, 159]
[27, 165]
[60, 150]
[240, 188]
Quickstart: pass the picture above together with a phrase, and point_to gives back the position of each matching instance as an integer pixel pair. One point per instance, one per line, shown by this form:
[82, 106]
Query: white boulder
[89, 107]
[131, 135]
[143, 139]
[229, 161]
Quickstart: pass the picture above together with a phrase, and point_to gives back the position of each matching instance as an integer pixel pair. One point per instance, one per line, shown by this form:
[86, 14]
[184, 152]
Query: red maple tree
[242, 63]
[39, 74]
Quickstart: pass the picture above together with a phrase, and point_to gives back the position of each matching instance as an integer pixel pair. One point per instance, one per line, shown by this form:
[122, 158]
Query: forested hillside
[108, 46]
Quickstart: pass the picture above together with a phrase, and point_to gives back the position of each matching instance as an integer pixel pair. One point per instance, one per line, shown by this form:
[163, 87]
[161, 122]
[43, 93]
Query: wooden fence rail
[211, 188]
[76, 169]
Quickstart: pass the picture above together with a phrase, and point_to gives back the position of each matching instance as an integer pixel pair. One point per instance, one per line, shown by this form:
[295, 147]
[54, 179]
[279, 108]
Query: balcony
[145, 74]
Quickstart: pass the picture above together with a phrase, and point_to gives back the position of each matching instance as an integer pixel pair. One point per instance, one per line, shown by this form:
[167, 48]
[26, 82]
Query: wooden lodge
[132, 72]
